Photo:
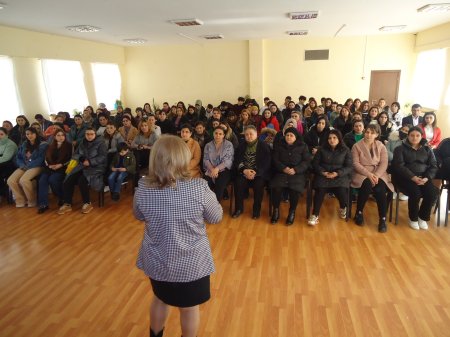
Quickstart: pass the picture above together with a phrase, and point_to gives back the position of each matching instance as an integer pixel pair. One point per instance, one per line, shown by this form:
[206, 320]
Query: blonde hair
[146, 134]
[169, 161]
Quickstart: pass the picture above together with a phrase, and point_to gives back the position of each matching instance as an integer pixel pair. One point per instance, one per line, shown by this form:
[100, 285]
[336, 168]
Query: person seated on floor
[413, 168]
[217, 162]
[122, 165]
[370, 162]
[57, 156]
[91, 157]
[29, 161]
[8, 150]
[194, 148]
[317, 134]
[142, 144]
[253, 170]
[291, 159]
[356, 135]
[430, 130]
[333, 167]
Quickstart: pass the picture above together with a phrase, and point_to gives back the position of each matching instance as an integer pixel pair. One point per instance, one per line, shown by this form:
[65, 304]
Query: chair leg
[439, 197]
[231, 198]
[308, 198]
[397, 204]
[101, 198]
[390, 205]
[270, 202]
[447, 207]
[349, 204]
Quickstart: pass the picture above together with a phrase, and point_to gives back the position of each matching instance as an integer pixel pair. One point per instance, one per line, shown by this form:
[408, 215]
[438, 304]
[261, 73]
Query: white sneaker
[343, 213]
[422, 224]
[403, 197]
[414, 225]
[313, 220]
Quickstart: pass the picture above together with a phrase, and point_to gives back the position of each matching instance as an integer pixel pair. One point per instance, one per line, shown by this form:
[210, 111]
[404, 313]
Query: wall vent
[318, 54]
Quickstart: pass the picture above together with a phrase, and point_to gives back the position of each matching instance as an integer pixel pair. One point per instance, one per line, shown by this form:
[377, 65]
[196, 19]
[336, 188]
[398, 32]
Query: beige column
[256, 69]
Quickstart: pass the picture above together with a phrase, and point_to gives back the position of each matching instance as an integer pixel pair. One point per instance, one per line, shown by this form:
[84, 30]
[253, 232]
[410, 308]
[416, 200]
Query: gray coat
[95, 152]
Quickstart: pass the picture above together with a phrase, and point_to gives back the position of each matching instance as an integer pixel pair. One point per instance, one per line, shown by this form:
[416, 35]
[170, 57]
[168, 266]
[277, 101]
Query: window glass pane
[107, 82]
[8, 93]
[429, 76]
[64, 81]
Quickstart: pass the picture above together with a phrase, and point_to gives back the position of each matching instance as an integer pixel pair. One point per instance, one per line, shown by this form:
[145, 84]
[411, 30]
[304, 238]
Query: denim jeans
[55, 181]
[115, 181]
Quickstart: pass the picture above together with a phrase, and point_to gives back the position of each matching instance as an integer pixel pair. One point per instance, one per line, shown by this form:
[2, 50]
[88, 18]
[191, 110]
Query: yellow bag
[72, 164]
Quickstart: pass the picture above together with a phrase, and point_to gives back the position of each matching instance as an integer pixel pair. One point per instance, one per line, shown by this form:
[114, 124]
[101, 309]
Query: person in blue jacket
[30, 161]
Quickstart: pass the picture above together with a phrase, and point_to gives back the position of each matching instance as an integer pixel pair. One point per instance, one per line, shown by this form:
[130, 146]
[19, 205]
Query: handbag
[72, 164]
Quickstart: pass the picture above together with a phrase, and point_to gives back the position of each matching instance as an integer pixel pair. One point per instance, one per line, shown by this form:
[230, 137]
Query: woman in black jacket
[317, 134]
[17, 134]
[414, 167]
[332, 167]
[344, 121]
[291, 160]
[253, 170]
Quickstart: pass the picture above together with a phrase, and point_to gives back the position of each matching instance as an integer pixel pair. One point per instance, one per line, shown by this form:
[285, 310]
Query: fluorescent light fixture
[304, 15]
[435, 8]
[135, 41]
[392, 28]
[83, 29]
[297, 32]
[213, 37]
[187, 22]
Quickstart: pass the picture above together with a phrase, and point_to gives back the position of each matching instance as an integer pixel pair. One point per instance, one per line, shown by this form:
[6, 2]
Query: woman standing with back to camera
[175, 252]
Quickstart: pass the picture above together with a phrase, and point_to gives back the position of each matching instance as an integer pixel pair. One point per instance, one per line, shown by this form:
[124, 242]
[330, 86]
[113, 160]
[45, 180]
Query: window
[8, 93]
[107, 82]
[428, 83]
[64, 81]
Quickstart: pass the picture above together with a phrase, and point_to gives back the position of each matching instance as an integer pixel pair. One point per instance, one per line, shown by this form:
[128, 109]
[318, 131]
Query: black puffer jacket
[328, 160]
[409, 162]
[342, 125]
[295, 156]
[314, 139]
[443, 158]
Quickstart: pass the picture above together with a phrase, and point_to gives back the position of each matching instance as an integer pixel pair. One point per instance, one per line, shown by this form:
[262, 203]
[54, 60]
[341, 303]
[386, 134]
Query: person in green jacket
[123, 164]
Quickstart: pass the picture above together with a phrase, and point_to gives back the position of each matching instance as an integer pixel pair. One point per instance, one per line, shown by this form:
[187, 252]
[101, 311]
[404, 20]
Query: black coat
[408, 162]
[314, 140]
[296, 156]
[342, 125]
[327, 160]
[349, 139]
[408, 120]
[443, 158]
[17, 134]
[263, 163]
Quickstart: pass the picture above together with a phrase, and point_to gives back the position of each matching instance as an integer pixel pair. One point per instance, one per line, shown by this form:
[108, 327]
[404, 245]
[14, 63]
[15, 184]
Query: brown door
[384, 84]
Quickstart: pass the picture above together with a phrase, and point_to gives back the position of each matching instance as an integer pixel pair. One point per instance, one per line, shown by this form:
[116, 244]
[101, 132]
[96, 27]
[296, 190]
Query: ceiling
[235, 19]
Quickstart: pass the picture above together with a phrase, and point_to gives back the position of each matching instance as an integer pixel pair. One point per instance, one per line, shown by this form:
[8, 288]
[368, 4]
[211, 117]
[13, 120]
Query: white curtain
[107, 82]
[9, 99]
[64, 81]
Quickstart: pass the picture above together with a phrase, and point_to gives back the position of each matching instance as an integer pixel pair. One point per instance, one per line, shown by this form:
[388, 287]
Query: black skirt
[182, 294]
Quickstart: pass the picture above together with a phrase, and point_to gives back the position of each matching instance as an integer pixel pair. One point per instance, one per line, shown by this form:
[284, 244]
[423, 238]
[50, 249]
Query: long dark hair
[31, 147]
[338, 134]
[429, 113]
[65, 151]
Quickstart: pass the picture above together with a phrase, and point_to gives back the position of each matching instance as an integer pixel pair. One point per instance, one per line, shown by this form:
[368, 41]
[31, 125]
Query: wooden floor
[74, 275]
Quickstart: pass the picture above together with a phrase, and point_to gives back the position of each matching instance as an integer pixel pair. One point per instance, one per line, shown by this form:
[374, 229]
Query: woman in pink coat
[370, 161]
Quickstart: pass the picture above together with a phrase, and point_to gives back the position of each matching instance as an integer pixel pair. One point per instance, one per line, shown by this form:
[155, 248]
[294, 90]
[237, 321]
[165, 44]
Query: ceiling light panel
[135, 41]
[213, 37]
[304, 15]
[187, 22]
[297, 32]
[83, 29]
[435, 8]
[392, 28]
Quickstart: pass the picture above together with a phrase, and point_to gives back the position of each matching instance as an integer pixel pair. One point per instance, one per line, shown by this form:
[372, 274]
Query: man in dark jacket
[414, 119]
[253, 170]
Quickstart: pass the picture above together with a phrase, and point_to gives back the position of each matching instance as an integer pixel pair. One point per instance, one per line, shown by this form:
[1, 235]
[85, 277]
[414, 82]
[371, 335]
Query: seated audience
[29, 161]
[194, 148]
[430, 131]
[91, 155]
[370, 162]
[372, 116]
[317, 134]
[128, 131]
[414, 119]
[442, 154]
[291, 160]
[7, 125]
[386, 126]
[77, 130]
[253, 170]
[142, 144]
[244, 121]
[112, 139]
[200, 135]
[229, 134]
[122, 165]
[269, 119]
[8, 150]
[102, 123]
[333, 166]
[356, 135]
[414, 167]
[42, 121]
[164, 123]
[217, 162]
[343, 122]
[17, 134]
[395, 116]
[57, 157]
[395, 139]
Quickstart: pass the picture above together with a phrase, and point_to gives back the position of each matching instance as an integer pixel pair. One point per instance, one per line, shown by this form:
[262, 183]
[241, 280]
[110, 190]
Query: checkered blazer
[175, 247]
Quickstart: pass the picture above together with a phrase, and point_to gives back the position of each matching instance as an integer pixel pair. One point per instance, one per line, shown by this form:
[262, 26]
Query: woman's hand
[373, 179]
[214, 172]
[288, 170]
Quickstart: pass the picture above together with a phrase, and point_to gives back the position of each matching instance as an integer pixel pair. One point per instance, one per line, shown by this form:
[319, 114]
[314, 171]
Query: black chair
[445, 185]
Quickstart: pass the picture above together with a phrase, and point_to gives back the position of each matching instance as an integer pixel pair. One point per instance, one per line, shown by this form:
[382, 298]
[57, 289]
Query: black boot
[382, 227]
[275, 215]
[159, 334]
[290, 219]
